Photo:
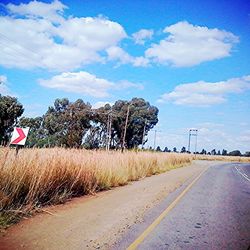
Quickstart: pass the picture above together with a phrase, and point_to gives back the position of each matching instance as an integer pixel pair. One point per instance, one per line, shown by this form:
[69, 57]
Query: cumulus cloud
[52, 11]
[85, 83]
[206, 93]
[116, 53]
[142, 35]
[38, 35]
[79, 82]
[188, 45]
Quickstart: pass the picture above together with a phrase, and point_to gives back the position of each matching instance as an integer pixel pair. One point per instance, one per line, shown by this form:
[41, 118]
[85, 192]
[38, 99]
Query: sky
[191, 59]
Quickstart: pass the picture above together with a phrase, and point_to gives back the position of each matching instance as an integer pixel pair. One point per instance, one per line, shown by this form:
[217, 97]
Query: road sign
[19, 136]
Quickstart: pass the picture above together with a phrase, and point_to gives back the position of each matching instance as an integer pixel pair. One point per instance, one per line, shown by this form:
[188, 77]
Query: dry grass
[38, 177]
[223, 158]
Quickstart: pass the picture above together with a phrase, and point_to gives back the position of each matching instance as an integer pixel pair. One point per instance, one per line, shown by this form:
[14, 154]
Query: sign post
[19, 137]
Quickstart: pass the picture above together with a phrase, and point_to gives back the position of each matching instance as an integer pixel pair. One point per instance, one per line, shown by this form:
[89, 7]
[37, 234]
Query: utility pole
[125, 130]
[107, 139]
[192, 132]
[109, 129]
[196, 136]
[155, 137]
[189, 138]
[143, 135]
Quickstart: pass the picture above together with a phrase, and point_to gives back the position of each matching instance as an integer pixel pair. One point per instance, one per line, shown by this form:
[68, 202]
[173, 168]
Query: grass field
[222, 158]
[38, 177]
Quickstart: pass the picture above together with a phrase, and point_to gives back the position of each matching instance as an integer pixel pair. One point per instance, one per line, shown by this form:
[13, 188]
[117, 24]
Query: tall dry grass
[38, 177]
[222, 158]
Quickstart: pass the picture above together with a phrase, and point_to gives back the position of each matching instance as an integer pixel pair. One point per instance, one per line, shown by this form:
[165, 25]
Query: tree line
[224, 152]
[78, 124]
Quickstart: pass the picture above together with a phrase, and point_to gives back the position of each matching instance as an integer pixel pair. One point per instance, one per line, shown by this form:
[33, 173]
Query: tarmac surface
[213, 214]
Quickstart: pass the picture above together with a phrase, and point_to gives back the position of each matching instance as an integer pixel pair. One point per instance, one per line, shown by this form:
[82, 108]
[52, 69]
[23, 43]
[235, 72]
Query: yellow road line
[139, 240]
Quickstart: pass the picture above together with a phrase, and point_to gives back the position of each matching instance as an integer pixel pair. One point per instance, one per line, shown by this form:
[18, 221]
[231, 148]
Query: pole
[107, 139]
[125, 130]
[155, 139]
[143, 135]
[110, 129]
[196, 142]
[189, 137]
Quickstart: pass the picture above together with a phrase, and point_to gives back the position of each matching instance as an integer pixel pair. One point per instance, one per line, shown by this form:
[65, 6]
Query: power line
[10, 40]
[20, 51]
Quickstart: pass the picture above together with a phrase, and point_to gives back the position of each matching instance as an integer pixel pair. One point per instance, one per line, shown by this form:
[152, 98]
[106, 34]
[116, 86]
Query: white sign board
[19, 136]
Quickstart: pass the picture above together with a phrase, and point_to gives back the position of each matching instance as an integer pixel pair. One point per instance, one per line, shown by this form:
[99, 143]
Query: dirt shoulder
[94, 222]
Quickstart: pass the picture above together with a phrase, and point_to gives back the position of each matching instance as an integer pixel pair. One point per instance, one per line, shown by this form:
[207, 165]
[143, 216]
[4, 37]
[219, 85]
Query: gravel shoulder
[97, 222]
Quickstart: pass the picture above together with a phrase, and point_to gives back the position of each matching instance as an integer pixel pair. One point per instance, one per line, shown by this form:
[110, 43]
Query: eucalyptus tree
[10, 110]
[67, 122]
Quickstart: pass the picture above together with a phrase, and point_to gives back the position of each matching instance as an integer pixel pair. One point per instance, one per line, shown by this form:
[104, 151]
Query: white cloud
[124, 84]
[4, 89]
[52, 11]
[116, 53]
[206, 93]
[245, 137]
[189, 45]
[101, 104]
[35, 40]
[142, 35]
[85, 83]
[80, 82]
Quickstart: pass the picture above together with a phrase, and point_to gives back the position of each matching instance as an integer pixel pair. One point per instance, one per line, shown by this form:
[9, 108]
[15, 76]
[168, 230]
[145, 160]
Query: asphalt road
[213, 214]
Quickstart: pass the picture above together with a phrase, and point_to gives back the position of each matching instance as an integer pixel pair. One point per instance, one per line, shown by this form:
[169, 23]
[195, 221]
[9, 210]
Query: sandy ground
[96, 222]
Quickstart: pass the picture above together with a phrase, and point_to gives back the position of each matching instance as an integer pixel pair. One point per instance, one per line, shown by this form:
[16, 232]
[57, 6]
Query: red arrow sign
[21, 136]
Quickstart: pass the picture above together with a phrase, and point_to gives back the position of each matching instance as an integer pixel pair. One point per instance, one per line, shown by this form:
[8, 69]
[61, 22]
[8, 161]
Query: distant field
[38, 177]
[223, 158]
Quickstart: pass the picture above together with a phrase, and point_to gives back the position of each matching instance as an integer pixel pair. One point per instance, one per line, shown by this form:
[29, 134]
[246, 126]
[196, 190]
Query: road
[210, 209]
[213, 214]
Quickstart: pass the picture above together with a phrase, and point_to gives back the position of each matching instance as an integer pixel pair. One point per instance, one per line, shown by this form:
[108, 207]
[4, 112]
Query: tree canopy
[67, 122]
[75, 124]
[10, 110]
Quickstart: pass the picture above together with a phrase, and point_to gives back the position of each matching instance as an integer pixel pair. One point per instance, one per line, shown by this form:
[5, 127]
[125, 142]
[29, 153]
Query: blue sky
[189, 58]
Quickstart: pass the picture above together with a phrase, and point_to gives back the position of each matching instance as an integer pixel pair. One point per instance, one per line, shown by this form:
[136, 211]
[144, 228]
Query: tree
[224, 152]
[97, 136]
[183, 150]
[10, 110]
[175, 149]
[213, 152]
[235, 153]
[247, 154]
[142, 118]
[219, 153]
[37, 134]
[203, 152]
[67, 122]
[166, 149]
[158, 149]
